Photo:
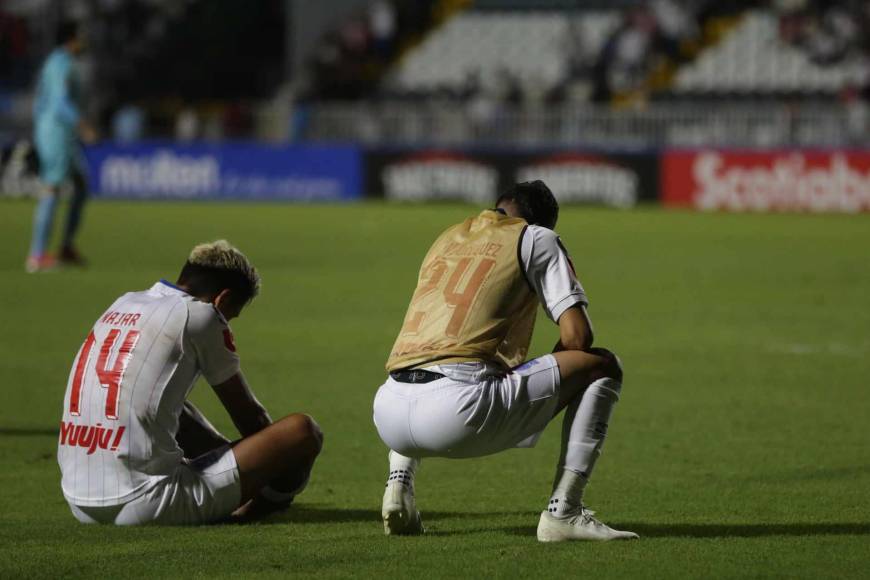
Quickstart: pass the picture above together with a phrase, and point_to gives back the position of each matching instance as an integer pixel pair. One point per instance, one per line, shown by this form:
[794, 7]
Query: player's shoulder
[208, 330]
[204, 314]
[543, 245]
[540, 232]
[541, 237]
[204, 320]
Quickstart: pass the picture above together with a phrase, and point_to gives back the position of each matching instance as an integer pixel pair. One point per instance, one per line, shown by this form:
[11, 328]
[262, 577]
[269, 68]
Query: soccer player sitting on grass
[456, 388]
[132, 450]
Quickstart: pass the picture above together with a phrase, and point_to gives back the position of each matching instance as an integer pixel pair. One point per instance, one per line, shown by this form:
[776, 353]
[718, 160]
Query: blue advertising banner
[244, 171]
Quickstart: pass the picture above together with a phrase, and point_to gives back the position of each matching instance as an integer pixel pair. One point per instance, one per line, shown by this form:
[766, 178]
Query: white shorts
[475, 410]
[204, 490]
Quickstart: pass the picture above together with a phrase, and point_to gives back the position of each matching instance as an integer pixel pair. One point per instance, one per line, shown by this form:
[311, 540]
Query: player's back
[124, 395]
[472, 301]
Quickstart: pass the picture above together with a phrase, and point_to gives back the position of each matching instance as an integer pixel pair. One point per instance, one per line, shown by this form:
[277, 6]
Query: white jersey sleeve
[550, 271]
[212, 340]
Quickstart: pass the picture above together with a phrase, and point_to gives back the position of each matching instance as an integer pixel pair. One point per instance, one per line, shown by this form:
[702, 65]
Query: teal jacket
[57, 107]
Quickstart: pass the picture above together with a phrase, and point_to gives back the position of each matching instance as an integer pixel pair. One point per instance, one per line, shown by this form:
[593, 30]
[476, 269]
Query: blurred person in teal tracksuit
[58, 126]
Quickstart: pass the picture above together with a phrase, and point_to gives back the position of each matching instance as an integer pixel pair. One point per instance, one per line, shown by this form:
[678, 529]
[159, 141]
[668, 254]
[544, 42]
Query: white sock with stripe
[402, 469]
[583, 431]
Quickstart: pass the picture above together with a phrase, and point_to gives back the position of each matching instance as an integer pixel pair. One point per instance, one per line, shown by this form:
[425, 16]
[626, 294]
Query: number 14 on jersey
[109, 378]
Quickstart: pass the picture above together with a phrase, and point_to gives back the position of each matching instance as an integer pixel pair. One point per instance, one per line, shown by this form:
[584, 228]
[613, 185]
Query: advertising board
[244, 171]
[765, 181]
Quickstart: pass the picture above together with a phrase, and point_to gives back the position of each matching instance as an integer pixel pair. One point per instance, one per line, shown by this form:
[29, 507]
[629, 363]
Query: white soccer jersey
[127, 388]
[550, 272]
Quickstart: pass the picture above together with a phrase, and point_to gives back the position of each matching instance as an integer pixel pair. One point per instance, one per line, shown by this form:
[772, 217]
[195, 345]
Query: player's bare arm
[196, 435]
[275, 459]
[248, 415]
[575, 330]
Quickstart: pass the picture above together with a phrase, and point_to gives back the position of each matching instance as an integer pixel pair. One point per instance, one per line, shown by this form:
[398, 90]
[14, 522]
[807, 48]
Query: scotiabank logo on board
[767, 181]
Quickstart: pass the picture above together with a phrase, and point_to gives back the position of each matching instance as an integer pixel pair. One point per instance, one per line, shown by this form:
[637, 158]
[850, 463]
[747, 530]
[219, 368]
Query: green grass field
[740, 449]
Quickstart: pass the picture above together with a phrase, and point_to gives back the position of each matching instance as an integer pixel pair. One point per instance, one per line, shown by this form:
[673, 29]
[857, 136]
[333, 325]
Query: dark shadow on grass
[726, 530]
[317, 514]
[29, 431]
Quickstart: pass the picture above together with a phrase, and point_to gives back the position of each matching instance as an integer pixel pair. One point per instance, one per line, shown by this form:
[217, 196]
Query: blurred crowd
[646, 35]
[153, 67]
[148, 49]
[829, 31]
[15, 61]
[349, 61]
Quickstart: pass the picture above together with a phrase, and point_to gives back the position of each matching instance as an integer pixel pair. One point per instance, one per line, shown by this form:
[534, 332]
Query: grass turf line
[739, 447]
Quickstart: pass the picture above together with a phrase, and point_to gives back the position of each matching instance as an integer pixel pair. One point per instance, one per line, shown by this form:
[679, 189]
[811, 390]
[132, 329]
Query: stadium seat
[753, 59]
[528, 45]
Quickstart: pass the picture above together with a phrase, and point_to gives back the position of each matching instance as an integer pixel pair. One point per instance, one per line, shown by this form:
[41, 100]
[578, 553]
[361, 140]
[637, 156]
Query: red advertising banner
[762, 181]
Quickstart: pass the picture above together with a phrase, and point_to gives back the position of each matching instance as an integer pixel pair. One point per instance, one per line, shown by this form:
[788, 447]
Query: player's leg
[275, 463]
[589, 389]
[54, 169]
[69, 254]
[43, 220]
[208, 488]
[399, 507]
[196, 435]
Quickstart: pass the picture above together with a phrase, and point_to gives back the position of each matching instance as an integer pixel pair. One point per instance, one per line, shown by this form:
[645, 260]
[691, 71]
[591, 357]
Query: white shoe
[399, 511]
[578, 526]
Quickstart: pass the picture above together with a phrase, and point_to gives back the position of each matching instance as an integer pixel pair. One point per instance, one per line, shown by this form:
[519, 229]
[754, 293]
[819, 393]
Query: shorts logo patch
[228, 340]
[527, 365]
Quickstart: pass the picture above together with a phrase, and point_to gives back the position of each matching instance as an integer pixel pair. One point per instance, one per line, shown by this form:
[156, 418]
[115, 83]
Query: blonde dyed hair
[221, 255]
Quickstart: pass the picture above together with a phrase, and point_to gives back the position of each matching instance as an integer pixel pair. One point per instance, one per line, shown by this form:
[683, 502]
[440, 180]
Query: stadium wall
[703, 179]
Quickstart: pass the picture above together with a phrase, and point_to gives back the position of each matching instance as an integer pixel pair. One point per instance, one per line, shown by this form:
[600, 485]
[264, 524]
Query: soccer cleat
[40, 263]
[399, 511]
[580, 525]
[69, 256]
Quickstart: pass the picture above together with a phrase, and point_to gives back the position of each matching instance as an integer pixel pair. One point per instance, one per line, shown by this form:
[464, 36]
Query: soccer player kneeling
[456, 387]
[132, 450]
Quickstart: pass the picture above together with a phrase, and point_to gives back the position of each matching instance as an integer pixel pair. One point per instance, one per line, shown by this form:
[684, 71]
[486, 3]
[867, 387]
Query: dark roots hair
[535, 201]
[66, 31]
[218, 266]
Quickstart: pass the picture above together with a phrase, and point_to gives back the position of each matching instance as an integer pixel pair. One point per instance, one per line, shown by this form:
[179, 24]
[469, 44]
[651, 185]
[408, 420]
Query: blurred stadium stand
[754, 59]
[624, 73]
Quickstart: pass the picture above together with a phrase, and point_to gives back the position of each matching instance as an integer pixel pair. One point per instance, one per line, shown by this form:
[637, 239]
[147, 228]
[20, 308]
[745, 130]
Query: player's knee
[315, 433]
[611, 366]
[304, 430]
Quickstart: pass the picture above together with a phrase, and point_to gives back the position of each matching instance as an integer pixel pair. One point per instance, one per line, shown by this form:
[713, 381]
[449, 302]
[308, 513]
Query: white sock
[402, 469]
[567, 496]
[583, 431]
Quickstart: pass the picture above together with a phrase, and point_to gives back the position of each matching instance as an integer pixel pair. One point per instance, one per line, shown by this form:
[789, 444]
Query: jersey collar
[166, 282]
